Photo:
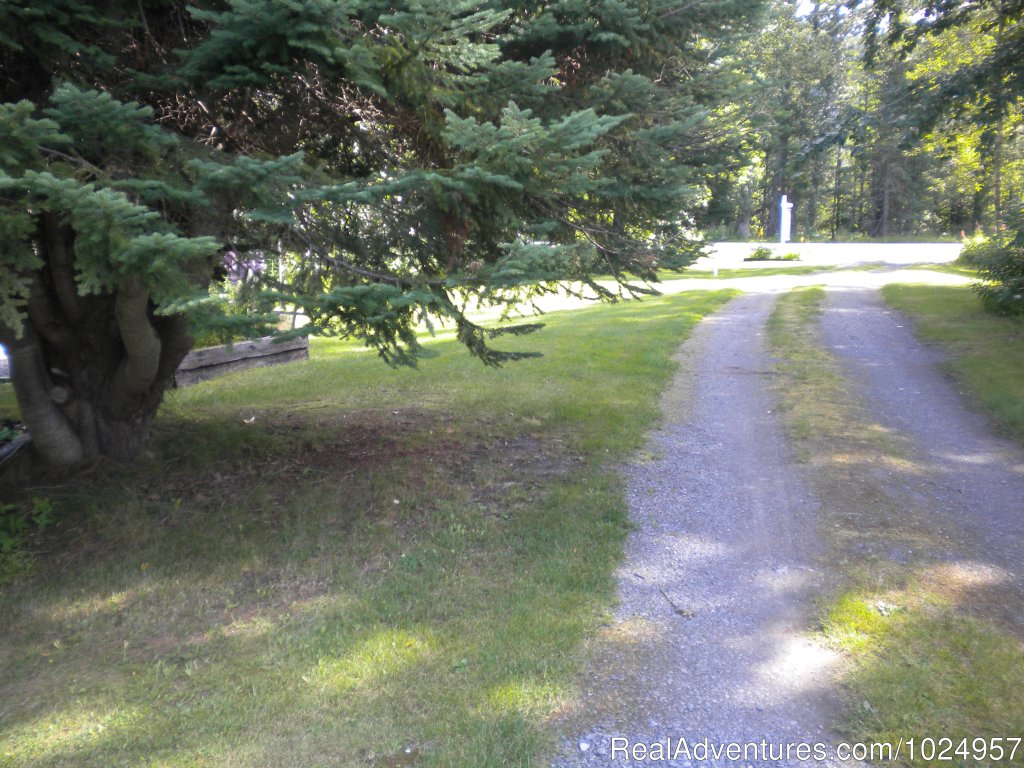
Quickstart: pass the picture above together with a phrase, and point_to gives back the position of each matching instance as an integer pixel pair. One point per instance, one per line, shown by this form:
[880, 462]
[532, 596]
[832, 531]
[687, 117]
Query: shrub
[1000, 264]
[761, 254]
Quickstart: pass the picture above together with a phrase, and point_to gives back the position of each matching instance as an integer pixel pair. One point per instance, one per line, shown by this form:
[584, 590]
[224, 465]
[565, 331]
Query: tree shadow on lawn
[301, 596]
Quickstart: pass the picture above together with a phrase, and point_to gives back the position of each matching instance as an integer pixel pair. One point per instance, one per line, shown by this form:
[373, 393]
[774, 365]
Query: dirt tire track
[968, 483]
[711, 639]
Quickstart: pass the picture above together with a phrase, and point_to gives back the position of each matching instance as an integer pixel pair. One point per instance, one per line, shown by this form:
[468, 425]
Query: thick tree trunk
[861, 183]
[778, 186]
[997, 146]
[89, 372]
[997, 179]
[883, 227]
[881, 195]
[39, 400]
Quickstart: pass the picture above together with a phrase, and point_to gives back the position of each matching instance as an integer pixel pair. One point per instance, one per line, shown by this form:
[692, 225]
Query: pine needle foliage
[372, 165]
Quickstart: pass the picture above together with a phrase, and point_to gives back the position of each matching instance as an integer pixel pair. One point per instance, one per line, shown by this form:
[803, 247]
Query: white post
[785, 220]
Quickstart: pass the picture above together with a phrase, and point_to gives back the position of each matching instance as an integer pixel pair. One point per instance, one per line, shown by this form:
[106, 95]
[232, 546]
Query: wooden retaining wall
[210, 362]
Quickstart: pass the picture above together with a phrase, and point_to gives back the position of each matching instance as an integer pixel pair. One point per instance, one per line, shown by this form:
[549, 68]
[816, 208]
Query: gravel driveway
[713, 638]
[967, 483]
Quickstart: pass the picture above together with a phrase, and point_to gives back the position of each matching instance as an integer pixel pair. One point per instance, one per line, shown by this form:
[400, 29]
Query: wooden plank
[225, 353]
[210, 362]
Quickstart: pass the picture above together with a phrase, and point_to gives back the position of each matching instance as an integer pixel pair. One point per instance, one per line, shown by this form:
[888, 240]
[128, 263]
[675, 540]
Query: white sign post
[785, 220]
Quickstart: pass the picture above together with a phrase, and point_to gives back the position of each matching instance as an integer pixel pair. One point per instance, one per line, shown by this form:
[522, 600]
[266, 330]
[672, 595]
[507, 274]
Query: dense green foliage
[1000, 264]
[974, 53]
[369, 163]
[880, 119]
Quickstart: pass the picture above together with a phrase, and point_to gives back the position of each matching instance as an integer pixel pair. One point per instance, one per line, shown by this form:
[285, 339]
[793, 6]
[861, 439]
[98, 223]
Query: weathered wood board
[210, 362]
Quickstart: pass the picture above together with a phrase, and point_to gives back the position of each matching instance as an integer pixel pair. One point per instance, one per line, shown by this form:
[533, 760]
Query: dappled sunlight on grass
[88, 606]
[80, 727]
[527, 698]
[379, 656]
[865, 459]
[332, 560]
[966, 583]
[924, 663]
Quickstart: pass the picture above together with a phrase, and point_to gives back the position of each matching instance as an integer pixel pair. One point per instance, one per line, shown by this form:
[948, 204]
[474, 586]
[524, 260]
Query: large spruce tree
[390, 158]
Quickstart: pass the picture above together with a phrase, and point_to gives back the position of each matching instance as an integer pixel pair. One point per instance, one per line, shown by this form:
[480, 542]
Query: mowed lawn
[334, 563]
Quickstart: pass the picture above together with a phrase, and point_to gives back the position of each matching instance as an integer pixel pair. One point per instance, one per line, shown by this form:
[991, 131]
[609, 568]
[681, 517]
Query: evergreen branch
[76, 159]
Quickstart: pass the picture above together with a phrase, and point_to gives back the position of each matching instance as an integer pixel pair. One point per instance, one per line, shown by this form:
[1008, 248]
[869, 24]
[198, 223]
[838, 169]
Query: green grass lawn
[327, 563]
[8, 408]
[949, 269]
[985, 352]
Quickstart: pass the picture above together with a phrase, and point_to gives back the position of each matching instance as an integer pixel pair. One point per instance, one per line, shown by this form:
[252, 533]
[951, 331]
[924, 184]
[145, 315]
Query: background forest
[873, 140]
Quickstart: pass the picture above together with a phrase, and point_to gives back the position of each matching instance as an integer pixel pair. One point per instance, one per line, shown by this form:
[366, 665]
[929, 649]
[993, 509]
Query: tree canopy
[884, 118]
[369, 163]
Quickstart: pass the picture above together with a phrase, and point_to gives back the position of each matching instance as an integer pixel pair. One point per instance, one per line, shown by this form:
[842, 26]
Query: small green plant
[764, 253]
[761, 253]
[17, 526]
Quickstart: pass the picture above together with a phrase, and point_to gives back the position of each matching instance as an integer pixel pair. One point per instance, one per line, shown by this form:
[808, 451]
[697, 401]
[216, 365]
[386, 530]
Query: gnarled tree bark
[89, 371]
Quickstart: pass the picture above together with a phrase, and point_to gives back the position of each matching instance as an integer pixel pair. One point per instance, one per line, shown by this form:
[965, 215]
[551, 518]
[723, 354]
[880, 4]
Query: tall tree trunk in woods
[861, 185]
[837, 191]
[997, 178]
[776, 187]
[811, 204]
[997, 147]
[886, 208]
